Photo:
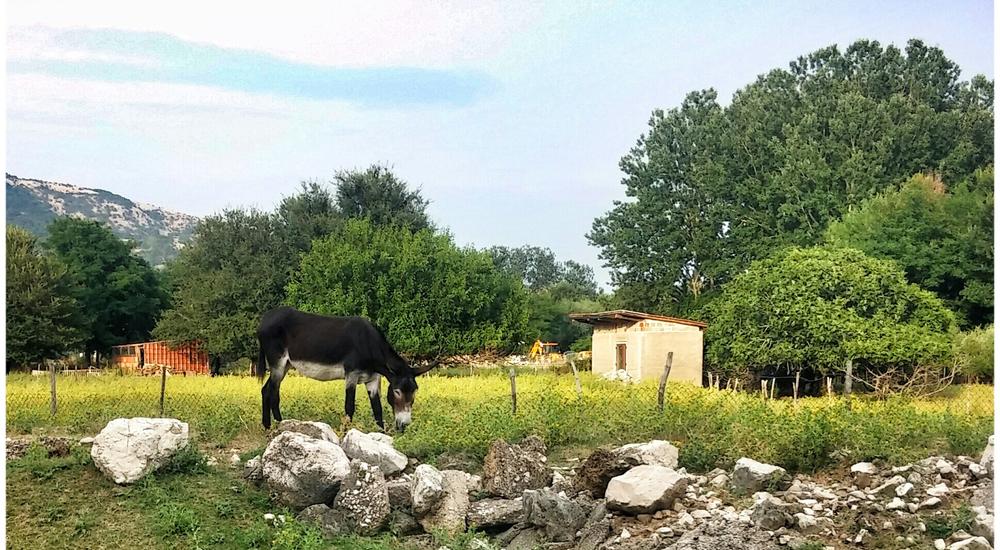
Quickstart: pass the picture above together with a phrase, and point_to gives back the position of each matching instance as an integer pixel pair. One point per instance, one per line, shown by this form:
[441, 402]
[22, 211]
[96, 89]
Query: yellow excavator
[544, 351]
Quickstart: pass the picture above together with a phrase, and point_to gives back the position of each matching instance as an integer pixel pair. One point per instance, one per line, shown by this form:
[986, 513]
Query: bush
[817, 307]
[428, 295]
[974, 353]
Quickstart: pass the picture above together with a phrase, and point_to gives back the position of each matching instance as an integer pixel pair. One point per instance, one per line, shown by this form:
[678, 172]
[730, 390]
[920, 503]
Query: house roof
[633, 316]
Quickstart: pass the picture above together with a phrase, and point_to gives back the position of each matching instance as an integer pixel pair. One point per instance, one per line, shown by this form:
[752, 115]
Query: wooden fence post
[513, 390]
[795, 388]
[576, 377]
[848, 377]
[52, 388]
[774, 382]
[710, 382]
[763, 389]
[163, 386]
[829, 386]
[663, 380]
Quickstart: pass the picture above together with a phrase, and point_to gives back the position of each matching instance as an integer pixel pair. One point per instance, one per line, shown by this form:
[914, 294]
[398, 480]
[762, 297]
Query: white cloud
[413, 33]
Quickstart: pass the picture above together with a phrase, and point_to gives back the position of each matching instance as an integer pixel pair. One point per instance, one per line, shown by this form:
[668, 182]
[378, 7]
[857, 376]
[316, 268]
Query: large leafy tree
[43, 318]
[378, 195]
[943, 238]
[712, 188]
[232, 271]
[119, 293]
[427, 294]
[818, 307]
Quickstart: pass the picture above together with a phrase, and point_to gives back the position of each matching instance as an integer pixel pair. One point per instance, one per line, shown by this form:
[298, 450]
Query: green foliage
[236, 268]
[818, 307]
[943, 239]
[120, 294]
[37, 461]
[973, 353]
[549, 318]
[376, 194]
[43, 320]
[540, 270]
[427, 294]
[941, 526]
[712, 188]
[558, 289]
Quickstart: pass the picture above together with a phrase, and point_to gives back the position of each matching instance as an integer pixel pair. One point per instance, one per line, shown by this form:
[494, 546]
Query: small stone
[87, 441]
[234, 460]
[269, 517]
[904, 489]
[974, 543]
[665, 531]
[895, 504]
[625, 534]
[701, 514]
[861, 537]
[932, 502]
[939, 544]
[938, 490]
[863, 473]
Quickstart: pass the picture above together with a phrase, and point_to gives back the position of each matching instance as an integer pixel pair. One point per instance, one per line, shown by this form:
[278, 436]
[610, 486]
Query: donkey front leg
[349, 401]
[373, 386]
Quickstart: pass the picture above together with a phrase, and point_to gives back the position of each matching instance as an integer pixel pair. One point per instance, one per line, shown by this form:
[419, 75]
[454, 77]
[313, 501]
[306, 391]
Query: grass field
[463, 414]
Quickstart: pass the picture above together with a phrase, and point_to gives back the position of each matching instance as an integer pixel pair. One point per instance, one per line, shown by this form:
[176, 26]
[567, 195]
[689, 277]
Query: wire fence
[465, 413]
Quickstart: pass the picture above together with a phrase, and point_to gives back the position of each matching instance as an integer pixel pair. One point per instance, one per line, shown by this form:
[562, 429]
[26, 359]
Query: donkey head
[402, 390]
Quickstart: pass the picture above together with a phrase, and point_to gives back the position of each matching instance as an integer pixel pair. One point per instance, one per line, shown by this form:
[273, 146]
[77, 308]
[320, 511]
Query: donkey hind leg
[277, 375]
[276, 364]
[373, 387]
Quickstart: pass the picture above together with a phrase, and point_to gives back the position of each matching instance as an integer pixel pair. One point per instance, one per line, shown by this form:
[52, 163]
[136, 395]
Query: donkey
[334, 348]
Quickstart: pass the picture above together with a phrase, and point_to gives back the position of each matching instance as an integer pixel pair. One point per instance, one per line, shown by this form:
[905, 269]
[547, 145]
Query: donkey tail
[261, 364]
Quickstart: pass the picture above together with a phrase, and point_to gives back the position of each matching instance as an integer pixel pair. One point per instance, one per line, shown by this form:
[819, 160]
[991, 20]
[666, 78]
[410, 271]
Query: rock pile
[630, 497]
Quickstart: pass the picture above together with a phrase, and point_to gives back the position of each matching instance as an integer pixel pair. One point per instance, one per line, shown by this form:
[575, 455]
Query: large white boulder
[654, 453]
[750, 476]
[318, 430]
[373, 450]
[303, 470]
[645, 489]
[427, 488]
[129, 448]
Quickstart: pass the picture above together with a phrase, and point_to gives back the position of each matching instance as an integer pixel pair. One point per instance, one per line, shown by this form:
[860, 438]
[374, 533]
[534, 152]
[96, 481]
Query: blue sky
[511, 117]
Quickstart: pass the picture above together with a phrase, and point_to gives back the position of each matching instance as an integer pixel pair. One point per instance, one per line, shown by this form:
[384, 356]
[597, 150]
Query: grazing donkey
[333, 348]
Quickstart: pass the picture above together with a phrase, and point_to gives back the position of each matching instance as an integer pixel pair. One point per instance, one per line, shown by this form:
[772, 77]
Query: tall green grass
[464, 414]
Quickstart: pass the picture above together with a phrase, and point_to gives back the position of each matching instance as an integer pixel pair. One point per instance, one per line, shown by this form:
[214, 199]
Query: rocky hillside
[160, 233]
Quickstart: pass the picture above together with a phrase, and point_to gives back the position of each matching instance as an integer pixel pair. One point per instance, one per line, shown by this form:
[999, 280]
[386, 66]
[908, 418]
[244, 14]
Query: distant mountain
[160, 233]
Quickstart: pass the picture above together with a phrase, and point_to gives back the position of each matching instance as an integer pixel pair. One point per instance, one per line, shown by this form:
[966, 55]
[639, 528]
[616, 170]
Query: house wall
[688, 356]
[648, 343]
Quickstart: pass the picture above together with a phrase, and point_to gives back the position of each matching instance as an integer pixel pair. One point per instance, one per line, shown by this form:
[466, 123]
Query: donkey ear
[421, 370]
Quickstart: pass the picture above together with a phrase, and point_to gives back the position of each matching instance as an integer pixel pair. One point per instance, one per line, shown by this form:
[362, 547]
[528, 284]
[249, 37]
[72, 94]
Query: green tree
[378, 195]
[710, 188]
[119, 293]
[557, 289]
[817, 307]
[233, 270]
[43, 317]
[942, 238]
[427, 294]
[236, 267]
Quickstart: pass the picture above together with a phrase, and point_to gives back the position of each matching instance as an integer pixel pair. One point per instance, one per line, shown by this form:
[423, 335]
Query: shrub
[817, 307]
[974, 353]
